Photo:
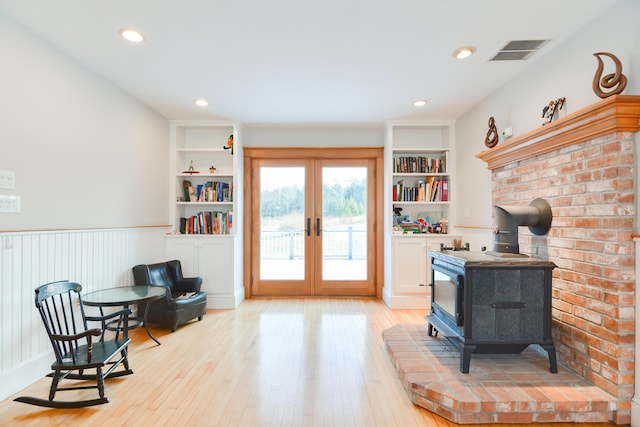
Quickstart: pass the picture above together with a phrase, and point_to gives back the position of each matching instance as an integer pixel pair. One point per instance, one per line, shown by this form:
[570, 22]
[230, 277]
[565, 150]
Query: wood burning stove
[486, 304]
[498, 301]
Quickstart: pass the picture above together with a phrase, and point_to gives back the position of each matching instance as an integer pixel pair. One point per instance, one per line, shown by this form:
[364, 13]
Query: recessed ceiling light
[419, 103]
[132, 35]
[464, 52]
[202, 102]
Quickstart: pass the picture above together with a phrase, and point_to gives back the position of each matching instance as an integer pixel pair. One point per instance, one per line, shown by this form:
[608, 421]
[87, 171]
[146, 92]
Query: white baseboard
[406, 302]
[225, 301]
[23, 375]
[635, 412]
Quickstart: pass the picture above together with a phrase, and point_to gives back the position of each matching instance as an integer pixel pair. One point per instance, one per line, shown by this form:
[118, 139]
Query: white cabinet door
[433, 244]
[184, 249]
[409, 265]
[208, 257]
[216, 265]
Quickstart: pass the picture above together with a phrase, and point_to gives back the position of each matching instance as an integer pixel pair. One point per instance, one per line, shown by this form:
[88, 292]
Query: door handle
[308, 227]
[317, 226]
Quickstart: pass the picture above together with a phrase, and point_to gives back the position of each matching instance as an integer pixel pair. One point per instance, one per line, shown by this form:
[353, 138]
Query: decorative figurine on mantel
[492, 134]
[191, 170]
[550, 110]
[229, 145]
[614, 81]
[212, 169]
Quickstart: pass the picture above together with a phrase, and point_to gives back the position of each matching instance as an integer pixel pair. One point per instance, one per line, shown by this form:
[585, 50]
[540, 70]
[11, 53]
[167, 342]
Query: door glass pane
[344, 223]
[282, 223]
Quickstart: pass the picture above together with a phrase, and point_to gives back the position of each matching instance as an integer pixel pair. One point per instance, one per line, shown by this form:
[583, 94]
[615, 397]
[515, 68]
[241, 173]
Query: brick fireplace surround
[584, 165]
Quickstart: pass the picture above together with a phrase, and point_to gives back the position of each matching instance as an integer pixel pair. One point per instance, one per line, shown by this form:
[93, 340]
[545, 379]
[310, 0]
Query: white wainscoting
[94, 258]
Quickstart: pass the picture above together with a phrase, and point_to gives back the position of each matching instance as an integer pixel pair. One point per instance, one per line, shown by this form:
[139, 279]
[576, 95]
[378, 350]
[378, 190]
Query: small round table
[124, 296]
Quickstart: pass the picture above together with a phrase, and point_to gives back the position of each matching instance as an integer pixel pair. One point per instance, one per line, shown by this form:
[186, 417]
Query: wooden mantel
[617, 113]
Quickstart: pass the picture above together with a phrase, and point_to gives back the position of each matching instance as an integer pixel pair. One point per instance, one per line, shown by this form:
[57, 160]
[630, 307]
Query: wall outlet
[467, 213]
[9, 204]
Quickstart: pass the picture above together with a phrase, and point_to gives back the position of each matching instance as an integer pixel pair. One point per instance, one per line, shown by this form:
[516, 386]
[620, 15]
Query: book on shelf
[422, 187]
[211, 222]
[186, 185]
[398, 195]
[430, 189]
[419, 164]
[440, 190]
[434, 192]
[210, 191]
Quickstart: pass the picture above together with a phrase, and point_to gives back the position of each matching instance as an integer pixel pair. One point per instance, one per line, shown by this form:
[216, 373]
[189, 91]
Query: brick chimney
[584, 166]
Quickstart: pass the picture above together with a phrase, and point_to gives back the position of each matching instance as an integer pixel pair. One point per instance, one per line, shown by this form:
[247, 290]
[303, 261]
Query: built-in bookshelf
[420, 178]
[205, 175]
[419, 195]
[419, 164]
[420, 185]
[205, 182]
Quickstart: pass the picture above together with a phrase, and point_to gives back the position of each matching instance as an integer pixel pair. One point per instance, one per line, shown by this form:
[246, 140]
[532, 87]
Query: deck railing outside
[336, 244]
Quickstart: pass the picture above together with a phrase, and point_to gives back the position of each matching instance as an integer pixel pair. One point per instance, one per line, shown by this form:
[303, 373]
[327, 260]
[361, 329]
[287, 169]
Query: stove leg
[430, 330]
[465, 357]
[551, 351]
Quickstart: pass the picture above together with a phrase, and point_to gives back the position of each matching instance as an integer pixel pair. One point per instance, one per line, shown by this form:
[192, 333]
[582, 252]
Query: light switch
[7, 180]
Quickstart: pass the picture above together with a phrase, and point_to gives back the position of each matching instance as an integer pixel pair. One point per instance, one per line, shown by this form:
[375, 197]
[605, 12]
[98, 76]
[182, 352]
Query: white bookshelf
[417, 154]
[213, 249]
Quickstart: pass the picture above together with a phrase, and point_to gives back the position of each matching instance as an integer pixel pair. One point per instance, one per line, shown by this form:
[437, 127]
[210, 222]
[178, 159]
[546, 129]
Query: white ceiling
[301, 61]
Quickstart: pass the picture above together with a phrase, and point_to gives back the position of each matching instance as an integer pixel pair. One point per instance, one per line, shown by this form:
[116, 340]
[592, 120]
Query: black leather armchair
[183, 301]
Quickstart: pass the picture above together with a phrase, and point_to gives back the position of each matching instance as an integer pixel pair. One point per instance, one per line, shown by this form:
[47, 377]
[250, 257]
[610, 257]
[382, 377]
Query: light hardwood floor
[270, 362]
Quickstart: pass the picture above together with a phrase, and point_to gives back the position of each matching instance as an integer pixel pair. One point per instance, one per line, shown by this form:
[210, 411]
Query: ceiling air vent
[518, 50]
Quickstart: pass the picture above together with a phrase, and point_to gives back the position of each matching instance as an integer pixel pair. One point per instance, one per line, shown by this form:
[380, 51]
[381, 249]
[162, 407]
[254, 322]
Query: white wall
[313, 136]
[84, 153]
[566, 71]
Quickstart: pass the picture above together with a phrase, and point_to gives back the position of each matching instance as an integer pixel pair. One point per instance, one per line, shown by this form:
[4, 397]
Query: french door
[312, 225]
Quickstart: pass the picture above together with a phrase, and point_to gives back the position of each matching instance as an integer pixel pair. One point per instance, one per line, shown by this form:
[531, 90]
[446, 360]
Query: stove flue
[537, 216]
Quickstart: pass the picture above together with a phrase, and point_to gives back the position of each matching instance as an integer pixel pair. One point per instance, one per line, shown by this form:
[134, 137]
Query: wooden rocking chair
[78, 348]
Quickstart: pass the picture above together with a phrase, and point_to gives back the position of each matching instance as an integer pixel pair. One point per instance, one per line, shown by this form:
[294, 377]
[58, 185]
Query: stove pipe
[537, 216]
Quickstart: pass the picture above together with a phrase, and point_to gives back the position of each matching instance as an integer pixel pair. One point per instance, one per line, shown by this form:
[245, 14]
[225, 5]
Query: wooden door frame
[251, 153]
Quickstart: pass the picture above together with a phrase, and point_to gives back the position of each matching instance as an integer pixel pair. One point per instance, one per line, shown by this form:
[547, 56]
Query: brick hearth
[513, 388]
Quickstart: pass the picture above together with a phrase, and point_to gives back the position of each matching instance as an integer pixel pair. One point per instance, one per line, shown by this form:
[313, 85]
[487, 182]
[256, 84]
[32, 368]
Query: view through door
[313, 226]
